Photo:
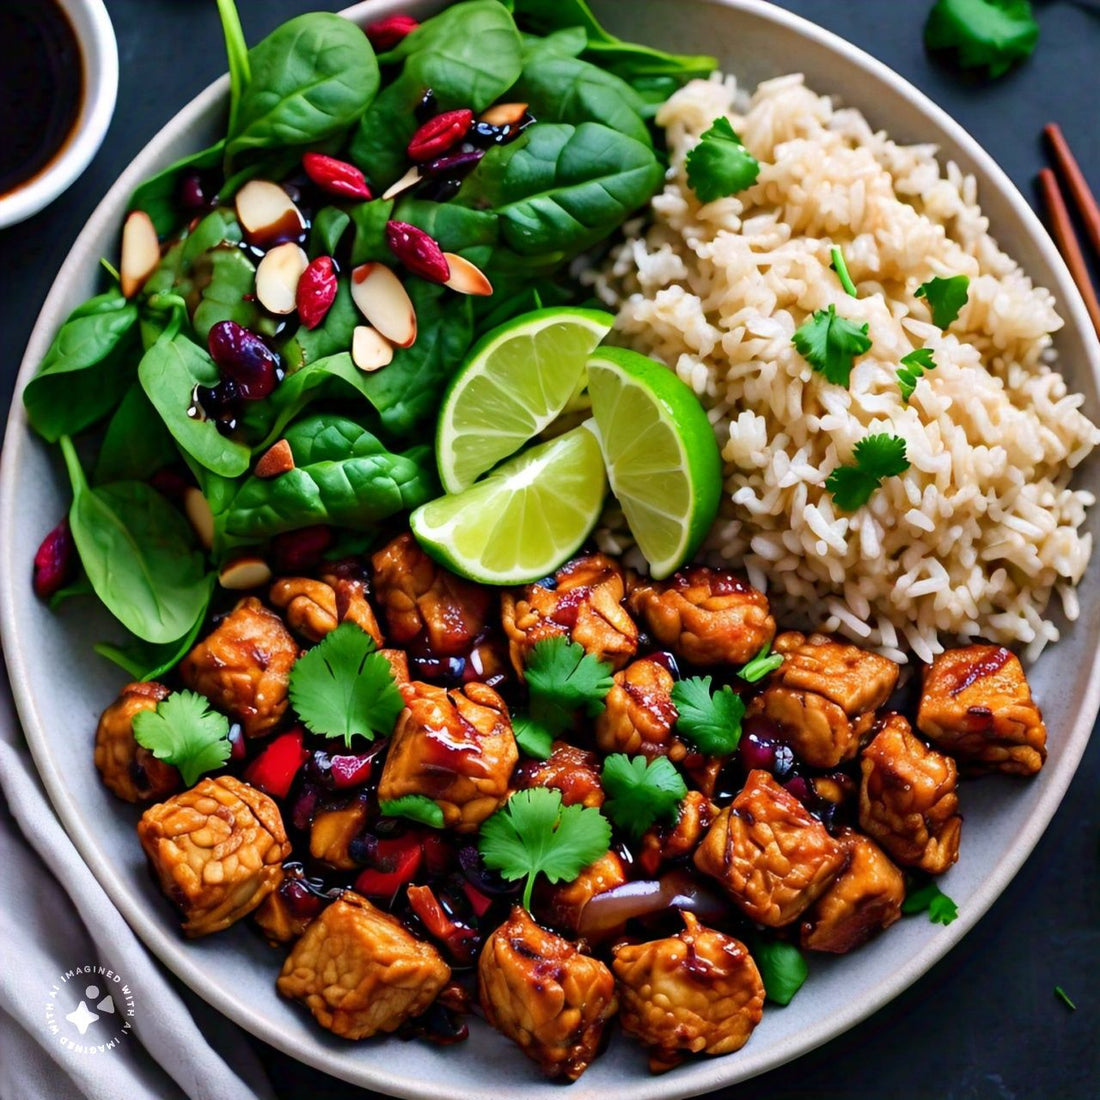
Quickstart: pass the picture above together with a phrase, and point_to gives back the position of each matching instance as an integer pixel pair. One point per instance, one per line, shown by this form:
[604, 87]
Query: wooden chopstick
[1074, 178]
[1061, 227]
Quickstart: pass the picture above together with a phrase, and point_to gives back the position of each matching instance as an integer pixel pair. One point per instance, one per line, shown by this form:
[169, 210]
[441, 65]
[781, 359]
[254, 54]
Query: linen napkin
[72, 972]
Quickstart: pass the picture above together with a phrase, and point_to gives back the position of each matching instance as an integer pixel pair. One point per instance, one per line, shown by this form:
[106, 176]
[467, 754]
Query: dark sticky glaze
[992, 662]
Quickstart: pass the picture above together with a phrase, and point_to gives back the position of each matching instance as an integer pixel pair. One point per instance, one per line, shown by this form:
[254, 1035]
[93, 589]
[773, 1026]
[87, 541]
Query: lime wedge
[662, 459]
[523, 520]
[513, 384]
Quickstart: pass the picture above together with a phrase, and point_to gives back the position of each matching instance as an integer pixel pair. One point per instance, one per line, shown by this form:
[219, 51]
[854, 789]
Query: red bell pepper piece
[479, 902]
[274, 769]
[461, 940]
[396, 861]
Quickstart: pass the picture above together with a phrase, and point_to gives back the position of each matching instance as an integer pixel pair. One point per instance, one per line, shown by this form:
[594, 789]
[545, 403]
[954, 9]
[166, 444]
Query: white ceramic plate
[60, 687]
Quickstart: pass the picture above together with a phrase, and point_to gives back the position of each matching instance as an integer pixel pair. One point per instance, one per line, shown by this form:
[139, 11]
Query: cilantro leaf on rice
[831, 344]
[720, 165]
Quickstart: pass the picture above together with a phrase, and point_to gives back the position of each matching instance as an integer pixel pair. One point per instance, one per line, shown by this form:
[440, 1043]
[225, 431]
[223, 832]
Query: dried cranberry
[384, 34]
[245, 359]
[54, 561]
[453, 165]
[440, 134]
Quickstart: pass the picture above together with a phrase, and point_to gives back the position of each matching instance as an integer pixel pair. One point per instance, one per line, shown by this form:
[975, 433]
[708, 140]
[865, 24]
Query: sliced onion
[606, 913]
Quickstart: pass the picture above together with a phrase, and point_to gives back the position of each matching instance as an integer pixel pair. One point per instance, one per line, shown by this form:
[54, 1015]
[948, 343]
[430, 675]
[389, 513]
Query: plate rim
[174, 952]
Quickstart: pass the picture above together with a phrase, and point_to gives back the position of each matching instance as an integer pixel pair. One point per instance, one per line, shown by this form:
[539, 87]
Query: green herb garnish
[183, 731]
[877, 457]
[764, 662]
[344, 688]
[946, 297]
[712, 723]
[1062, 995]
[931, 899]
[782, 968]
[912, 368]
[989, 34]
[720, 165]
[535, 834]
[830, 344]
[562, 679]
[841, 268]
[416, 807]
[641, 792]
[532, 737]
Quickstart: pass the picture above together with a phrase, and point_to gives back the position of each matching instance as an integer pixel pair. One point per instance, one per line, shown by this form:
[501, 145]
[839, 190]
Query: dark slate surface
[984, 1024]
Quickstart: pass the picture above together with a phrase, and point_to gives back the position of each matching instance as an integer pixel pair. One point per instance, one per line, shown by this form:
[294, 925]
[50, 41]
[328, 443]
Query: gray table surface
[985, 1023]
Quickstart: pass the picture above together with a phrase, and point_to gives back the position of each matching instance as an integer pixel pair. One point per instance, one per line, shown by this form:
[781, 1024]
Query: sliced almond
[410, 179]
[244, 573]
[467, 278]
[200, 515]
[267, 213]
[140, 252]
[277, 277]
[503, 114]
[370, 350]
[385, 303]
[276, 460]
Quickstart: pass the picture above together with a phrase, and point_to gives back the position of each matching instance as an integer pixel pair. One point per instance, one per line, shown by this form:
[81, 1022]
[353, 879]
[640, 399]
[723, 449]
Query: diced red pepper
[350, 770]
[460, 940]
[396, 861]
[274, 769]
[437, 855]
[479, 902]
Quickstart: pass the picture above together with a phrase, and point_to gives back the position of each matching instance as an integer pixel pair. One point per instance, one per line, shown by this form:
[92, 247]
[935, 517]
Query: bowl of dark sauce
[58, 85]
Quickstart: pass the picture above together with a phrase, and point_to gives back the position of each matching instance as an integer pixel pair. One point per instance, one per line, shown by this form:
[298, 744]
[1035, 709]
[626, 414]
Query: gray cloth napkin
[54, 919]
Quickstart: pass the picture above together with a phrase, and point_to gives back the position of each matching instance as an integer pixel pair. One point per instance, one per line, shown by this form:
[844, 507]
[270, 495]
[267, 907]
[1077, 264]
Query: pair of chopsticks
[1061, 223]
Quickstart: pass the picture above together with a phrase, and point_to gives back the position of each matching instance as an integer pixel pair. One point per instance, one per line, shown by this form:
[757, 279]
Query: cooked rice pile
[982, 529]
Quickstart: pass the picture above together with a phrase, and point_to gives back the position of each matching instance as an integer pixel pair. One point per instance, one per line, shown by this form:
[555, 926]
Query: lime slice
[513, 384]
[523, 520]
[662, 459]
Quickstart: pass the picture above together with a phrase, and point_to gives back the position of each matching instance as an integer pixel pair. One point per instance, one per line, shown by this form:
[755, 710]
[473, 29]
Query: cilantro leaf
[343, 687]
[841, 268]
[946, 297]
[640, 792]
[931, 899]
[532, 737]
[562, 679]
[185, 732]
[782, 967]
[759, 667]
[989, 34]
[1064, 996]
[877, 457]
[712, 723]
[912, 368]
[830, 344]
[416, 807]
[720, 165]
[533, 834]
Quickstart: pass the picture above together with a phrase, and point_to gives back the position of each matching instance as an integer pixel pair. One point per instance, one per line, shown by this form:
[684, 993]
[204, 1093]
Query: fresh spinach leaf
[139, 554]
[369, 242]
[329, 225]
[136, 443]
[86, 369]
[225, 280]
[560, 189]
[236, 50]
[169, 372]
[158, 196]
[311, 80]
[473, 233]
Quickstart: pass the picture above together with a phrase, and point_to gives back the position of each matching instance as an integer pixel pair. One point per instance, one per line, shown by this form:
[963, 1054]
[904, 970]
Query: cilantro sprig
[641, 792]
[183, 731]
[720, 165]
[989, 34]
[533, 834]
[782, 967]
[563, 678]
[877, 457]
[343, 687]
[912, 369]
[831, 344]
[1063, 996]
[416, 807]
[931, 899]
[945, 298]
[711, 722]
[840, 266]
[764, 662]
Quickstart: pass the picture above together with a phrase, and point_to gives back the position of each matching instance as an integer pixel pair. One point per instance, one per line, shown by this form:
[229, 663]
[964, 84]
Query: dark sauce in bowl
[41, 87]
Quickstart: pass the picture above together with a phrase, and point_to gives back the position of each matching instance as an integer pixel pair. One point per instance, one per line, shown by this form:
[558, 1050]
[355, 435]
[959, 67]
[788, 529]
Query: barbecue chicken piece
[697, 992]
[582, 601]
[773, 857]
[126, 768]
[217, 850]
[572, 770]
[243, 667]
[662, 843]
[705, 616]
[976, 705]
[315, 608]
[865, 898]
[824, 696]
[360, 972]
[907, 799]
[639, 714]
[426, 608]
[543, 994]
[455, 746]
